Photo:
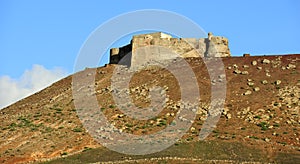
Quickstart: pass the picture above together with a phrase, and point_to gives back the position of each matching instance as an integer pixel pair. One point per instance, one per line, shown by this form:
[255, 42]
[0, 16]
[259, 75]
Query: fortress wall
[218, 47]
[179, 46]
[116, 54]
[143, 48]
[165, 48]
[153, 35]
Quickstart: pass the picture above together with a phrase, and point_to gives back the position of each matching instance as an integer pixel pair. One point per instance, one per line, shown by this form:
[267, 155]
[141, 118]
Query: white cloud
[36, 79]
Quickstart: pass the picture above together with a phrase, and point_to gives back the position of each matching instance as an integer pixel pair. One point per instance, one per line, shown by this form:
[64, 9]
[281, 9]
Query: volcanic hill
[260, 121]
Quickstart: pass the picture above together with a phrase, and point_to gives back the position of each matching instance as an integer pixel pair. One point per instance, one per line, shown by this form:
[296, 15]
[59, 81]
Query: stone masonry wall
[213, 46]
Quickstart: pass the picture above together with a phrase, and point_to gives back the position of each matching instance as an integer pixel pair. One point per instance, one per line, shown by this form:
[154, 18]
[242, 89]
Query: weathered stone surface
[162, 44]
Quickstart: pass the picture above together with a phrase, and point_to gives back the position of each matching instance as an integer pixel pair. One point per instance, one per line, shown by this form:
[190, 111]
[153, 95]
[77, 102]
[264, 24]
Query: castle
[212, 46]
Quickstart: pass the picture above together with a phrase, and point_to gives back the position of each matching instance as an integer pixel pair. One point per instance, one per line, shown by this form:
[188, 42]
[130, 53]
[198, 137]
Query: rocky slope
[261, 111]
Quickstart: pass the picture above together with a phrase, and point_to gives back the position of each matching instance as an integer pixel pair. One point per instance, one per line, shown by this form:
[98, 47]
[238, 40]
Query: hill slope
[261, 114]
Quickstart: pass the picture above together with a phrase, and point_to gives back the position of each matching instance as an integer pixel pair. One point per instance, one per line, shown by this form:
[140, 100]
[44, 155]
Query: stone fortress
[212, 46]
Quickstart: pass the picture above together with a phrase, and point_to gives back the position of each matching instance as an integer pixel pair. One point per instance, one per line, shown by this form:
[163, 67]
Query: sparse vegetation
[77, 129]
[258, 117]
[129, 125]
[254, 137]
[263, 118]
[263, 125]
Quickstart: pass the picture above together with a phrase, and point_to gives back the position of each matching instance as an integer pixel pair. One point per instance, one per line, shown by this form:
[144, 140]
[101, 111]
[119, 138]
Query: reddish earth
[261, 110]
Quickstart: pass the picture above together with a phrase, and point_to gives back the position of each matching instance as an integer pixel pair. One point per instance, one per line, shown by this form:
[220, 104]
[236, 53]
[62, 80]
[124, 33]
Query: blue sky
[50, 33]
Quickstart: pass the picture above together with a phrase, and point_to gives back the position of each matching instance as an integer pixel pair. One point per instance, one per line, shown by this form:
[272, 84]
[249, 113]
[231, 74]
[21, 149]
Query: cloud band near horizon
[31, 81]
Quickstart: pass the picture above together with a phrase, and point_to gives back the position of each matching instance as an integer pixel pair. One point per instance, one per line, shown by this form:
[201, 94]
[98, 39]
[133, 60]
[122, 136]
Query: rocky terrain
[260, 121]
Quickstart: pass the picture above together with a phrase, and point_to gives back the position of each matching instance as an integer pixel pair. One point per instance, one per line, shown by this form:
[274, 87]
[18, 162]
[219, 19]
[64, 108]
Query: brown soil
[45, 125]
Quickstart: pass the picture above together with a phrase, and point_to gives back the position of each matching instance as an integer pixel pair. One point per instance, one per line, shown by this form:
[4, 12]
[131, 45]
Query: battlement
[212, 46]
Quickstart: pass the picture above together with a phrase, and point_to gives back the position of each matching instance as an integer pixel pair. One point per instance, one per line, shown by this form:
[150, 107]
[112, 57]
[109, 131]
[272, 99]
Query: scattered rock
[245, 72]
[237, 71]
[267, 140]
[277, 82]
[290, 66]
[256, 89]
[225, 111]
[259, 68]
[193, 129]
[254, 62]
[228, 116]
[248, 92]
[222, 76]
[264, 82]
[250, 84]
[266, 61]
